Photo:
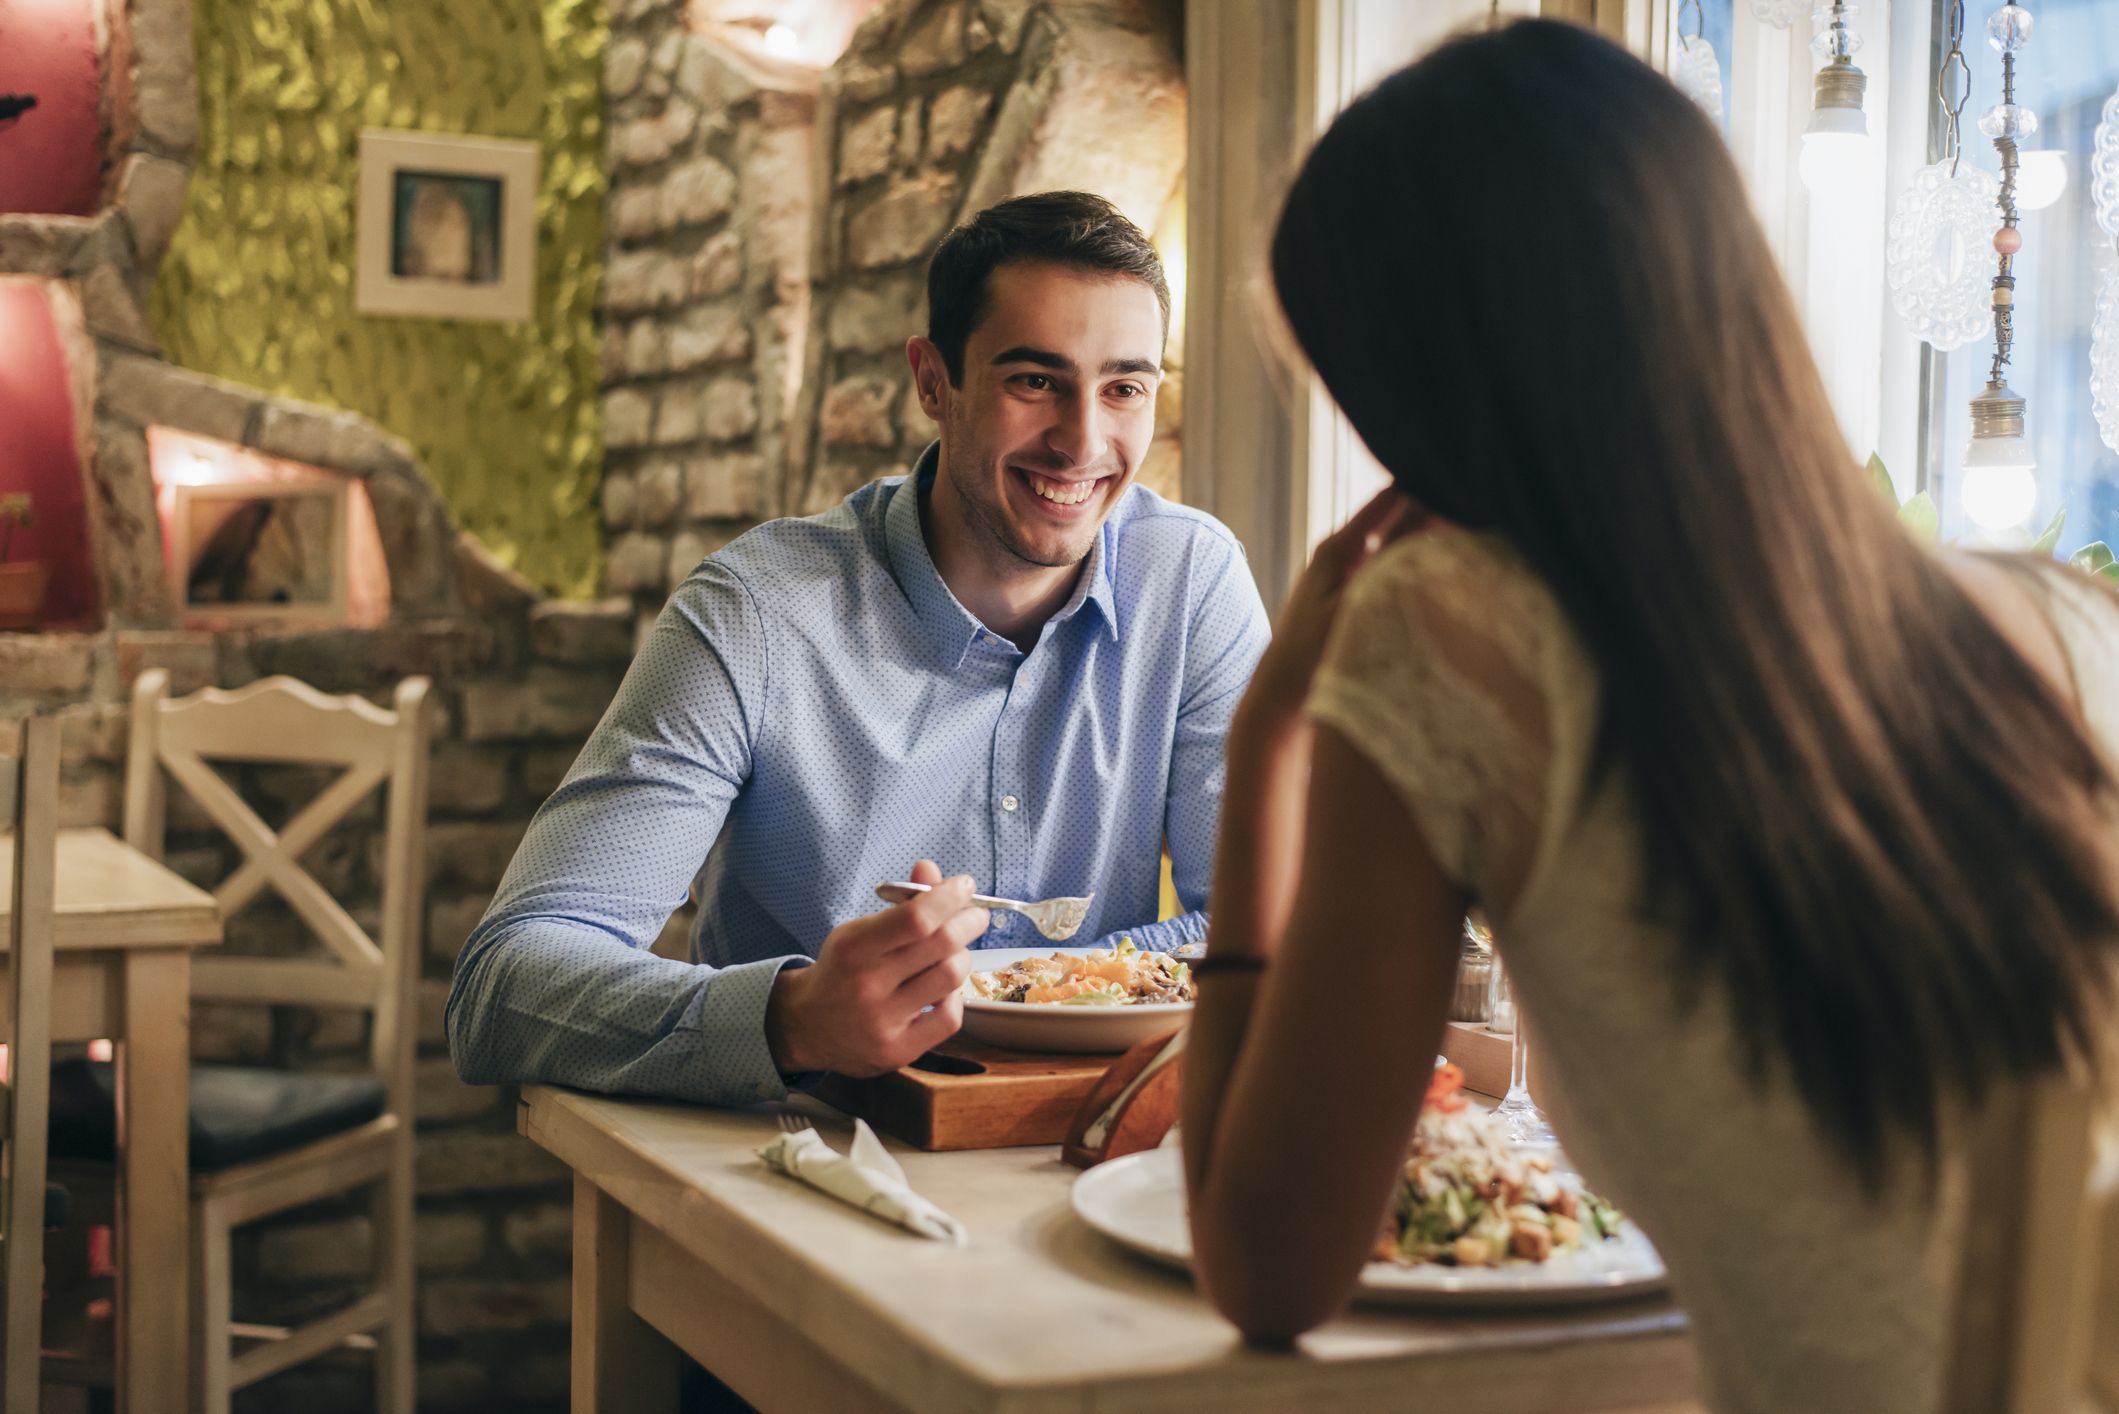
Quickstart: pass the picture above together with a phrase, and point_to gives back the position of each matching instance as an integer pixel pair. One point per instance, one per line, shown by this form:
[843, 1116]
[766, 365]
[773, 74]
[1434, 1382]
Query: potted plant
[21, 581]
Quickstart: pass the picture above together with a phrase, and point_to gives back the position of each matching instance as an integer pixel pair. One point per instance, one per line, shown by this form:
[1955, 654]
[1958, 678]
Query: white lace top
[1454, 672]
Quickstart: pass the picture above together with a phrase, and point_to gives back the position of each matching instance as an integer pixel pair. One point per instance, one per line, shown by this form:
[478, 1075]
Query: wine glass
[1521, 1119]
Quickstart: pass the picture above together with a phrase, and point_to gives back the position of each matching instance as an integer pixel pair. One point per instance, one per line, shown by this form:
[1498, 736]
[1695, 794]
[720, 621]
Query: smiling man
[1013, 661]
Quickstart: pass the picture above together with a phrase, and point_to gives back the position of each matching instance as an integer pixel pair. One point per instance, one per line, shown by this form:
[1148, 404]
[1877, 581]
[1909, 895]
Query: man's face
[1055, 408]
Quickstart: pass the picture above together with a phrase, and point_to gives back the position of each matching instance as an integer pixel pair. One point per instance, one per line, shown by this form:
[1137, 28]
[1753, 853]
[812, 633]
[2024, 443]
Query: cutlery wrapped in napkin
[865, 1176]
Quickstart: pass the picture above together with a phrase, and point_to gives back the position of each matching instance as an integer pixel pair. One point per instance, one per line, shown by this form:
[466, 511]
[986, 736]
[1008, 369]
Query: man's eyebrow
[1060, 363]
[1043, 358]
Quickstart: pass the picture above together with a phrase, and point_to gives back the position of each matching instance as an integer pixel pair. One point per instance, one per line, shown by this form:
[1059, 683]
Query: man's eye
[1036, 382]
[1129, 390]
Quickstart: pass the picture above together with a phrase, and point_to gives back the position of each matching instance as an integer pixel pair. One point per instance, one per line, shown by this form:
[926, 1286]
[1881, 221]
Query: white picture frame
[446, 227]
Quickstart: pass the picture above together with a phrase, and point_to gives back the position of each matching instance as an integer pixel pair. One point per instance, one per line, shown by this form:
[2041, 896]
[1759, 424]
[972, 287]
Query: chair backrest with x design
[280, 720]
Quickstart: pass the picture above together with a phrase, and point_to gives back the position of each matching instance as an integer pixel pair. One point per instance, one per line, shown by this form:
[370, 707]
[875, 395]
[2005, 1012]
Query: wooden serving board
[1481, 1054]
[967, 1095]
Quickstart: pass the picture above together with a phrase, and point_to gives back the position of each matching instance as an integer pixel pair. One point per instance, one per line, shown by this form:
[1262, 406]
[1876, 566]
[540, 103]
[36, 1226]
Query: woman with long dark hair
[1797, 833]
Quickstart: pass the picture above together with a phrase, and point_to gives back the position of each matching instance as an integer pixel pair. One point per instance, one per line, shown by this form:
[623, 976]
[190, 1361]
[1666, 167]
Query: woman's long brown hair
[1527, 270]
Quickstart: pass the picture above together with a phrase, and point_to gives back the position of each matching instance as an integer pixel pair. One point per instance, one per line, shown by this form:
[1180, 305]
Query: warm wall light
[181, 459]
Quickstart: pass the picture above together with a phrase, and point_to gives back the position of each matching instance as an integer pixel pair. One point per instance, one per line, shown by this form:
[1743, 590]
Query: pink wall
[51, 158]
[38, 453]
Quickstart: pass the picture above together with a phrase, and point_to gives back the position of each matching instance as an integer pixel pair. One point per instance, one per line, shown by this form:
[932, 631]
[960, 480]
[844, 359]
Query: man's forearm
[544, 1000]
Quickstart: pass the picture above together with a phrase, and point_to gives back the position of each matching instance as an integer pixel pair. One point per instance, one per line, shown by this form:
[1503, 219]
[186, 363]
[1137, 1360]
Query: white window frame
[1278, 463]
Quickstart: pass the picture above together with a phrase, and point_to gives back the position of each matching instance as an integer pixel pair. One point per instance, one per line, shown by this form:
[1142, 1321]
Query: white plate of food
[1089, 1000]
[1138, 1201]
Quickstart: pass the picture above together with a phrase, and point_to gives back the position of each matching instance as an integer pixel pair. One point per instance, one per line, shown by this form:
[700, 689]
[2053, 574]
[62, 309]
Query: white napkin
[865, 1176]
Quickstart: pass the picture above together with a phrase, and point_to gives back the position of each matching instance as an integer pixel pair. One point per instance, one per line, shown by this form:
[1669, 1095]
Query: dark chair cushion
[239, 1113]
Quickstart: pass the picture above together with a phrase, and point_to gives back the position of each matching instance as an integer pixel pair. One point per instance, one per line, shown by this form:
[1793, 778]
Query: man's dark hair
[1071, 228]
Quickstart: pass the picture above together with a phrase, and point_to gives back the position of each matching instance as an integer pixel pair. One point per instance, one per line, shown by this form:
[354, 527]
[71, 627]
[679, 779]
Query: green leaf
[2049, 539]
[1881, 478]
[2096, 558]
[1920, 516]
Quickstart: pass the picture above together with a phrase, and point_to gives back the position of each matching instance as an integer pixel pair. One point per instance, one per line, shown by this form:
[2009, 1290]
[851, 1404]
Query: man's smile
[1060, 491]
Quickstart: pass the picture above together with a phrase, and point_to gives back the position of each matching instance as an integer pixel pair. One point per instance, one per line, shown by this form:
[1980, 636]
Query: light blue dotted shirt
[814, 711]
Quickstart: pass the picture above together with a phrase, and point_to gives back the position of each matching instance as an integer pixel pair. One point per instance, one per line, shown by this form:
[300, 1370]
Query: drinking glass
[1520, 1116]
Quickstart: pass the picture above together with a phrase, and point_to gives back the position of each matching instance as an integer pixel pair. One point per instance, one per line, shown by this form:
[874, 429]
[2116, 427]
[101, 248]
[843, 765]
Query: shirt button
[1009, 802]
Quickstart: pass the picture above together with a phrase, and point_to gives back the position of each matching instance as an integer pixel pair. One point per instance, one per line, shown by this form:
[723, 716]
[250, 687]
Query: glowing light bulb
[783, 41]
[2000, 482]
[2041, 176]
[1836, 153]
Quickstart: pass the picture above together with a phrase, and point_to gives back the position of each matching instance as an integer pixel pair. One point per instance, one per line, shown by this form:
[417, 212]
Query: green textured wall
[258, 285]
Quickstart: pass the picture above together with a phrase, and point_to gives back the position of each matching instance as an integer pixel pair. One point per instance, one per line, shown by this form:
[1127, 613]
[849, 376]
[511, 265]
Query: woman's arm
[1303, 1079]
[1302, 1086]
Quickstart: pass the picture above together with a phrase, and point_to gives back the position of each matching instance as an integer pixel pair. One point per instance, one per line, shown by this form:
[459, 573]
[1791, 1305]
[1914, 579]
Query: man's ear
[929, 374]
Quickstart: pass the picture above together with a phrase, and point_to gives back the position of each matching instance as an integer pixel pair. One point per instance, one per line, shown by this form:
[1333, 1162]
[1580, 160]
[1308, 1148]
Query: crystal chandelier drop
[1941, 223]
[2104, 168]
[2000, 473]
[2104, 326]
[1694, 68]
[2104, 359]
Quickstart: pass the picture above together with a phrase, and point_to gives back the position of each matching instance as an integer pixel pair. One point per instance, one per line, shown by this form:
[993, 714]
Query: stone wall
[939, 109]
[771, 224]
[520, 680]
[706, 296]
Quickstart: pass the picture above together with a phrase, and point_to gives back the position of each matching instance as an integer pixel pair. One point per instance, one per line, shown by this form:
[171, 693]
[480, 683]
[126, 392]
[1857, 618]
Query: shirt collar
[950, 627]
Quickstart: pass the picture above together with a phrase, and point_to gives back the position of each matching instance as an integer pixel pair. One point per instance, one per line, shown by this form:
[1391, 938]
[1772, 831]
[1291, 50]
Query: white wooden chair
[29, 812]
[280, 720]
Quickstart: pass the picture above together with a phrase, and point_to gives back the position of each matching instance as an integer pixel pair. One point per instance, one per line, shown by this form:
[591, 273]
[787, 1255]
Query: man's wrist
[783, 1024]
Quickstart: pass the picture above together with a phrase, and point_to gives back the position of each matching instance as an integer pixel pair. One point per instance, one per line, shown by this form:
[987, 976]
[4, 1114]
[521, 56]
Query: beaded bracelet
[1228, 962]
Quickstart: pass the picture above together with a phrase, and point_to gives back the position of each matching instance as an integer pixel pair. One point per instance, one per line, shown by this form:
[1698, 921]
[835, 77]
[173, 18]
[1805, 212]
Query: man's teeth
[1061, 492]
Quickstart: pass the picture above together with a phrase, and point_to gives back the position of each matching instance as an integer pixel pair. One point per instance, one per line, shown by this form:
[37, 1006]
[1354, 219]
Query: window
[1284, 480]
[2065, 74]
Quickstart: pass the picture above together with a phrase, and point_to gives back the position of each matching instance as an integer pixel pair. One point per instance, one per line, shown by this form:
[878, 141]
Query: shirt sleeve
[557, 982]
[1228, 633]
[1432, 674]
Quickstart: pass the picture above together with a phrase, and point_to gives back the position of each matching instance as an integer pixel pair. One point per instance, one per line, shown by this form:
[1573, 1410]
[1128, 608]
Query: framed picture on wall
[447, 226]
[260, 550]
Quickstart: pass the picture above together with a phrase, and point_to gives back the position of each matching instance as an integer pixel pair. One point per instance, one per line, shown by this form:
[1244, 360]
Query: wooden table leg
[154, 1188]
[621, 1364]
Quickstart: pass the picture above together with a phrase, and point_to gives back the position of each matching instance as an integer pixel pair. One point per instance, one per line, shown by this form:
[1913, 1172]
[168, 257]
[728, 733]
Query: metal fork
[793, 1123]
[1057, 918]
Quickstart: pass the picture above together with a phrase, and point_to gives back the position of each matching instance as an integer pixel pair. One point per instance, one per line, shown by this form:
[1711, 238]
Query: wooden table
[682, 1238]
[122, 969]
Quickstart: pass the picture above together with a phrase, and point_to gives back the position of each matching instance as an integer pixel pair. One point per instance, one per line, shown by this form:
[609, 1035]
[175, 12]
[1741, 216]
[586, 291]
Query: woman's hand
[1282, 680]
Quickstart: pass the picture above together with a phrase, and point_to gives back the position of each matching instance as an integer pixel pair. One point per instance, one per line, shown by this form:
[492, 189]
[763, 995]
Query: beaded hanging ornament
[1694, 68]
[1941, 224]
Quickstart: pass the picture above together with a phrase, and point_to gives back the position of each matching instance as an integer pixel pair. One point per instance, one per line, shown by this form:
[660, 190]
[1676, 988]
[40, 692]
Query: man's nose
[1079, 432]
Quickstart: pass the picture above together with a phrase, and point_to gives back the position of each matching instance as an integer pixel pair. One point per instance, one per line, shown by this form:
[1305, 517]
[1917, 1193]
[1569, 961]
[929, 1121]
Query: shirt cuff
[732, 1033]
